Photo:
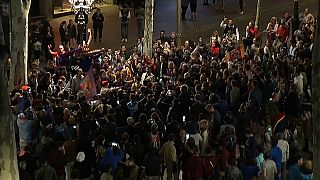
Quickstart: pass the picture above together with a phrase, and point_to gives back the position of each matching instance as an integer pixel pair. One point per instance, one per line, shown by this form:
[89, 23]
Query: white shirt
[292, 51]
[197, 138]
[298, 81]
[284, 146]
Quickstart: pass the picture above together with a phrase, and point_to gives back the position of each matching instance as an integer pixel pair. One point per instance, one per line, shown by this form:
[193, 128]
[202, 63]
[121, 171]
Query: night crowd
[237, 108]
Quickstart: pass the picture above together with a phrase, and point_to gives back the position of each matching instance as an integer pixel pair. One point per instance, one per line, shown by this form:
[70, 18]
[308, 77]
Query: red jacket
[195, 168]
[215, 51]
[282, 33]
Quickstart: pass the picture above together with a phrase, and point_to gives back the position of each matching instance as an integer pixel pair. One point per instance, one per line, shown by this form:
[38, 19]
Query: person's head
[298, 160]
[162, 33]
[182, 133]
[70, 21]
[123, 48]
[61, 48]
[307, 165]
[130, 161]
[273, 20]
[209, 108]
[98, 10]
[80, 157]
[125, 136]
[197, 97]
[130, 121]
[285, 15]
[251, 24]
[230, 22]
[186, 44]
[255, 41]
[248, 132]
[64, 23]
[266, 155]
[173, 35]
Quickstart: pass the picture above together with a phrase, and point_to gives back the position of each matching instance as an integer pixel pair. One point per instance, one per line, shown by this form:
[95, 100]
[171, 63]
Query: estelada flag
[88, 85]
[241, 50]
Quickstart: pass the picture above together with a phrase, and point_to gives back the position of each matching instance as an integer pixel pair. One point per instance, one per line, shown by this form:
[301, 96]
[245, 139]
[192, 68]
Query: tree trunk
[316, 100]
[1, 33]
[148, 30]
[256, 23]
[178, 22]
[8, 150]
[295, 21]
[19, 52]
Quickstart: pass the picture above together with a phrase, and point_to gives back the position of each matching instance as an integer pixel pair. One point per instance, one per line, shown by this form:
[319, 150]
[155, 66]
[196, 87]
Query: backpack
[230, 142]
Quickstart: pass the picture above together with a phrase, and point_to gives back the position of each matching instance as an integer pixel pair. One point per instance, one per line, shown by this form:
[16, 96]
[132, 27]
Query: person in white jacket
[298, 81]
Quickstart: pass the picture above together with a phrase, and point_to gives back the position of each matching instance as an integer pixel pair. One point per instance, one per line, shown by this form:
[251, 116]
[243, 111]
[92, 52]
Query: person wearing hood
[82, 165]
[306, 171]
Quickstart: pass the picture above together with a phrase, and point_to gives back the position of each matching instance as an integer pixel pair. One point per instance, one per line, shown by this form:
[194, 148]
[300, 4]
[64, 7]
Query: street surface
[209, 18]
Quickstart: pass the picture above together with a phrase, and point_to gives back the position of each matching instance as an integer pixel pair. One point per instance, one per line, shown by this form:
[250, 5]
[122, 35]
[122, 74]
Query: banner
[88, 85]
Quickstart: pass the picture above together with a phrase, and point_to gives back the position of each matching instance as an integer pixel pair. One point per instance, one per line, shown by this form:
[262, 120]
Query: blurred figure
[97, 19]
[124, 15]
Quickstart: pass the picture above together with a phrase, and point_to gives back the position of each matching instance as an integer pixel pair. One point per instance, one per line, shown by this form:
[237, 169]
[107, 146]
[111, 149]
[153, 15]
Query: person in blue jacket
[276, 156]
[112, 157]
[294, 170]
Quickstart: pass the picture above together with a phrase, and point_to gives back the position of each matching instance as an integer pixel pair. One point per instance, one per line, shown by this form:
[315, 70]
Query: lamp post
[178, 22]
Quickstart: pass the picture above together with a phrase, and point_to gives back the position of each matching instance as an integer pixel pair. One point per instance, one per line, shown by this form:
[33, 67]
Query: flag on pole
[88, 85]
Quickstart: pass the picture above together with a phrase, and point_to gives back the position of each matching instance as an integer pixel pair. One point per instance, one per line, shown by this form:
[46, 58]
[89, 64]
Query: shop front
[61, 7]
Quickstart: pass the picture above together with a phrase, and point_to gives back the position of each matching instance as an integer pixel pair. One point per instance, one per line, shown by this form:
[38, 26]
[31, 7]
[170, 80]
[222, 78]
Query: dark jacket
[46, 172]
[57, 160]
[72, 30]
[84, 168]
[64, 33]
[97, 20]
[152, 164]
[195, 168]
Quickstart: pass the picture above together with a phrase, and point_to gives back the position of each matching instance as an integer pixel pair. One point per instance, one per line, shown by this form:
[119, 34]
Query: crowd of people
[231, 109]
